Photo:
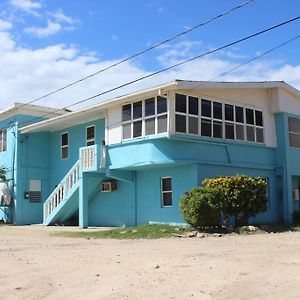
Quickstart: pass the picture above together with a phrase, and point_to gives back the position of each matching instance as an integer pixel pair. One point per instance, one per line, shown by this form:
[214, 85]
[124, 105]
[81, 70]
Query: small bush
[244, 196]
[201, 207]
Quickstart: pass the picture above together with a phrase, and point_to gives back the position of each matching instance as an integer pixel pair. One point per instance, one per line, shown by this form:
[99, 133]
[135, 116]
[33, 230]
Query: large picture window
[144, 118]
[3, 140]
[216, 119]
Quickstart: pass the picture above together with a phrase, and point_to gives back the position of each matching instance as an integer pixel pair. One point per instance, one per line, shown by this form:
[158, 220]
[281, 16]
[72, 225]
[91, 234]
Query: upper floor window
[65, 145]
[90, 135]
[294, 132]
[217, 119]
[3, 140]
[143, 118]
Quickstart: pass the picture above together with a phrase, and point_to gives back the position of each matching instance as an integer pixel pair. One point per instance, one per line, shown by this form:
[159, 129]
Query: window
[166, 191]
[65, 145]
[294, 132]
[90, 135]
[35, 190]
[3, 138]
[217, 119]
[143, 118]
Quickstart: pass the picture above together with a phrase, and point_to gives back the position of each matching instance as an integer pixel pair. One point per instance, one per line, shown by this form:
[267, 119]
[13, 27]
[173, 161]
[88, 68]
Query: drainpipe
[135, 198]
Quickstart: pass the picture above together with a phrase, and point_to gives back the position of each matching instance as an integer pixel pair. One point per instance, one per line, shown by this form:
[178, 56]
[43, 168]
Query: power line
[143, 51]
[175, 65]
[248, 61]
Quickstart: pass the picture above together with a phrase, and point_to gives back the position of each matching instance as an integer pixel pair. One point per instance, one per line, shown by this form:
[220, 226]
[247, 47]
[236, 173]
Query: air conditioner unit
[108, 186]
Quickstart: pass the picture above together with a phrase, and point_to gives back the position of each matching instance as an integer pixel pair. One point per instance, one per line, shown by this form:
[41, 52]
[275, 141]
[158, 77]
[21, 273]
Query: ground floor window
[166, 191]
[35, 190]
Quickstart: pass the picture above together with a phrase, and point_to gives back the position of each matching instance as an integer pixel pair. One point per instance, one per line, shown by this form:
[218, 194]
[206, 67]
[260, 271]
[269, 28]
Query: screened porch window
[212, 118]
[144, 118]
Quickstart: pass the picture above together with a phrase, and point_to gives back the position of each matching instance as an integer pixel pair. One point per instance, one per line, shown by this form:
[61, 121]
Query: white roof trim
[31, 110]
[97, 111]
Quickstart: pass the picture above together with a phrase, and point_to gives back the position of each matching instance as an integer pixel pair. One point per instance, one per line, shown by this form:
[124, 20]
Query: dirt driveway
[36, 265]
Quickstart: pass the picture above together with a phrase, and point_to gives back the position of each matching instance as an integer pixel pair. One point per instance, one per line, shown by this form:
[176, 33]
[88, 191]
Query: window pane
[162, 124]
[250, 134]
[259, 135]
[249, 116]
[166, 184]
[126, 112]
[239, 114]
[161, 105]
[90, 133]
[150, 126]
[180, 103]
[228, 112]
[64, 152]
[180, 123]
[137, 110]
[4, 139]
[294, 125]
[149, 107]
[90, 143]
[229, 131]
[64, 139]
[205, 127]
[137, 129]
[1, 140]
[258, 118]
[205, 108]
[193, 125]
[167, 199]
[294, 140]
[217, 129]
[239, 132]
[127, 131]
[193, 106]
[217, 110]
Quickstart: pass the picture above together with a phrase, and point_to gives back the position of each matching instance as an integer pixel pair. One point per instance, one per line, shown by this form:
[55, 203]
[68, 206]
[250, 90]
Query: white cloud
[60, 16]
[114, 37]
[42, 32]
[5, 25]
[26, 74]
[28, 6]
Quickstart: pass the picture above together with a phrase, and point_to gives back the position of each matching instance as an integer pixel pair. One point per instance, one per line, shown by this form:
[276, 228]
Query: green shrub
[243, 196]
[201, 207]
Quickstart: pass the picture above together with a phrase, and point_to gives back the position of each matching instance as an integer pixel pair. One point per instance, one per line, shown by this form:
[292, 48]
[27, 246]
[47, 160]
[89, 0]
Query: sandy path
[34, 265]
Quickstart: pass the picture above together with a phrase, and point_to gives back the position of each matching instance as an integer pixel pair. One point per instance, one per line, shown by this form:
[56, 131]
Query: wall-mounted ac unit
[108, 186]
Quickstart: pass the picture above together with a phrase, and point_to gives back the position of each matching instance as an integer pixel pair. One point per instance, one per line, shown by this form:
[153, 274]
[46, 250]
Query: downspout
[135, 198]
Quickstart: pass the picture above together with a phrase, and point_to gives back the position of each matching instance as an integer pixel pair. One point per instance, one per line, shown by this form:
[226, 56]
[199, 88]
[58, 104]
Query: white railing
[88, 157]
[61, 191]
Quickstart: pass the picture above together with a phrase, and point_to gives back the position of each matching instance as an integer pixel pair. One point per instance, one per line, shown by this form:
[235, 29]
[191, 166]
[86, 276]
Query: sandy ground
[36, 265]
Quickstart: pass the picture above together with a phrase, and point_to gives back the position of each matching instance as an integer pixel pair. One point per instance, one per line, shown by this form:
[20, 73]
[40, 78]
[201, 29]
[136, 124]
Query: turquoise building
[128, 160]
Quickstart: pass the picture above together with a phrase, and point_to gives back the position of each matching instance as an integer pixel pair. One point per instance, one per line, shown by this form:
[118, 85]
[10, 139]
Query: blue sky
[45, 44]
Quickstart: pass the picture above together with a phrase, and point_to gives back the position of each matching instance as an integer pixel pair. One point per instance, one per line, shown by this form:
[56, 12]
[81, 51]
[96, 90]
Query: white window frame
[165, 192]
[3, 140]
[143, 118]
[86, 135]
[223, 121]
[293, 133]
[64, 146]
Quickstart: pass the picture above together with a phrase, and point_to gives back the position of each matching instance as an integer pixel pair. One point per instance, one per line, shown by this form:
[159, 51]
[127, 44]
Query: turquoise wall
[77, 139]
